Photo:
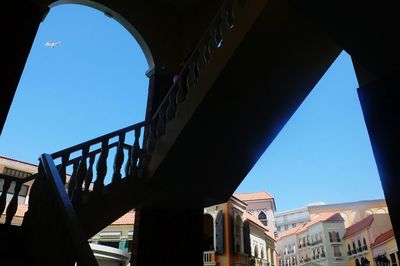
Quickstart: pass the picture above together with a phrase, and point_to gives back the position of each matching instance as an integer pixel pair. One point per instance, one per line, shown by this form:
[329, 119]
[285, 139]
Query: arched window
[255, 251]
[365, 244]
[208, 236]
[263, 218]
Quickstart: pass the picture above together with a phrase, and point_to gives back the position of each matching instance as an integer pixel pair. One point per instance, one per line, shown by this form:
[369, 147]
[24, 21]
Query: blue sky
[95, 82]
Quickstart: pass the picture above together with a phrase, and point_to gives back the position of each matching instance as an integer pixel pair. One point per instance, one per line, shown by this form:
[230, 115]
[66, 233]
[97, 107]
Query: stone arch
[120, 19]
[381, 211]
[355, 217]
[238, 234]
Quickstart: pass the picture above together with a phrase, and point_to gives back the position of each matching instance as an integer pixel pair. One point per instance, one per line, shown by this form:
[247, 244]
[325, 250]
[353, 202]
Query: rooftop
[359, 226]
[382, 238]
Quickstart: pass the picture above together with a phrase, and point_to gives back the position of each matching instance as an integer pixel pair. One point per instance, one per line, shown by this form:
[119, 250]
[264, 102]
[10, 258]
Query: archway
[113, 14]
[208, 239]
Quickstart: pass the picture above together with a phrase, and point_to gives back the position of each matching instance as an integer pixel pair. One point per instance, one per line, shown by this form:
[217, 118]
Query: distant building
[261, 205]
[360, 236]
[352, 212]
[292, 218]
[385, 250]
[318, 242]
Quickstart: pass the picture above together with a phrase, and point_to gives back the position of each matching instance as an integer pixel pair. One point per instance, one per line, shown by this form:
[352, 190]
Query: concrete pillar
[168, 237]
[19, 23]
[380, 101]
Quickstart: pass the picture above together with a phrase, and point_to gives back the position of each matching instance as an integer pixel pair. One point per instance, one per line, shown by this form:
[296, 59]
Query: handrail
[81, 246]
[97, 140]
[193, 56]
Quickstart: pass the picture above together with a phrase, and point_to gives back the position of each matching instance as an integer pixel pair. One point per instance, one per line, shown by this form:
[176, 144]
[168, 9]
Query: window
[263, 218]
[393, 259]
[286, 227]
[279, 228]
[336, 251]
[293, 225]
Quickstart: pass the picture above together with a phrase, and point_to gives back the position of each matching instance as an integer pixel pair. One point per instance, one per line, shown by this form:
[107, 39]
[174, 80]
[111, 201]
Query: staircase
[231, 99]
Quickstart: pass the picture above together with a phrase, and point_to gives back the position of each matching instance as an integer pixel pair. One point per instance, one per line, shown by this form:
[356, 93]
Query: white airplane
[52, 44]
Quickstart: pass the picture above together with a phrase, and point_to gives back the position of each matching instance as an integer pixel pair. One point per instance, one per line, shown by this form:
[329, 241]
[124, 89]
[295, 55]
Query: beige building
[360, 236]
[352, 212]
[385, 250]
[318, 242]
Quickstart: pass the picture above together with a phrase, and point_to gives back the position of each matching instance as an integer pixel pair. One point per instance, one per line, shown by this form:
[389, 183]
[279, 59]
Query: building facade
[318, 242]
[360, 236]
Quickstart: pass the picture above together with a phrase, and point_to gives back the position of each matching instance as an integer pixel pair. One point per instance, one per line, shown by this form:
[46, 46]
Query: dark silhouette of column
[165, 236]
[380, 101]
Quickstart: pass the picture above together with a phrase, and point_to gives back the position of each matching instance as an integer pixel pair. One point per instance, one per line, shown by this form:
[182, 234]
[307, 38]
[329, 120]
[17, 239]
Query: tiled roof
[324, 217]
[248, 216]
[357, 227]
[289, 232]
[253, 196]
[127, 218]
[14, 160]
[382, 238]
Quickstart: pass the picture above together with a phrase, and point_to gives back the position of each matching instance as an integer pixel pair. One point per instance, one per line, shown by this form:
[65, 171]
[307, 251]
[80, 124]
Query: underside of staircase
[250, 70]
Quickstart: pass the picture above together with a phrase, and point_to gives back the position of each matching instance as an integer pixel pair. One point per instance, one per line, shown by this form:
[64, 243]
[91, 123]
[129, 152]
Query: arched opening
[238, 234]
[120, 19]
[208, 233]
[93, 83]
[263, 218]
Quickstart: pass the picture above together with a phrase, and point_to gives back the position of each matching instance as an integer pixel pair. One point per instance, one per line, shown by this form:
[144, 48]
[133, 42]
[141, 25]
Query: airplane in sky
[52, 44]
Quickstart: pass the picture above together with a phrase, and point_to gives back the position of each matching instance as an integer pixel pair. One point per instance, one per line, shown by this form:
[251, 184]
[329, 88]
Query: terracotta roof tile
[357, 227]
[324, 217]
[382, 238]
[127, 218]
[18, 161]
[253, 196]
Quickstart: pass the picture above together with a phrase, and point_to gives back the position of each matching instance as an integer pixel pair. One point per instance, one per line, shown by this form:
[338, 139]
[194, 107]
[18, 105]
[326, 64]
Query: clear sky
[95, 82]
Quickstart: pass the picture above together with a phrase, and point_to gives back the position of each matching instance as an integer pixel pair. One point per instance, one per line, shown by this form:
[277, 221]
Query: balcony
[259, 262]
[209, 258]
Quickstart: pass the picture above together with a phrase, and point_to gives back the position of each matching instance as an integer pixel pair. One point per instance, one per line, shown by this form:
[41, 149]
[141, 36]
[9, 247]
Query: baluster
[208, 50]
[131, 166]
[151, 136]
[218, 38]
[3, 197]
[171, 109]
[101, 167]
[72, 180]
[191, 78]
[119, 159]
[62, 169]
[182, 88]
[80, 177]
[13, 205]
[231, 18]
[89, 174]
[35, 201]
[161, 122]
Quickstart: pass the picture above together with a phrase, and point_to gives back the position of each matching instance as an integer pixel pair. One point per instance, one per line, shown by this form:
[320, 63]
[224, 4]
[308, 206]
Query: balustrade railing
[11, 186]
[89, 161]
[193, 68]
